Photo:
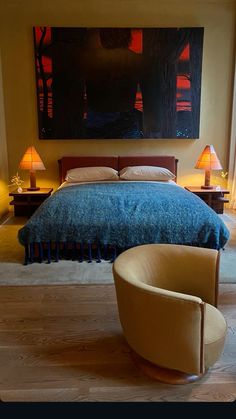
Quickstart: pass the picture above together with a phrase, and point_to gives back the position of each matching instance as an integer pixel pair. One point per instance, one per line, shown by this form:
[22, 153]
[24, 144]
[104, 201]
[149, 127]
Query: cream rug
[13, 272]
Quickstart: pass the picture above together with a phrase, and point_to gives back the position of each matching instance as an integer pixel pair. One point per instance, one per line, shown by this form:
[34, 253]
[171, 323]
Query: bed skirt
[47, 252]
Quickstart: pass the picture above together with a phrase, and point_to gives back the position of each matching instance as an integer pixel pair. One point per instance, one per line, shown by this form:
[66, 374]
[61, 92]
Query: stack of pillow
[138, 173]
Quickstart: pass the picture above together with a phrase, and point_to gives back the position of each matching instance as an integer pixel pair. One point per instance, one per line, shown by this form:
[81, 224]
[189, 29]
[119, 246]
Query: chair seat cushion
[214, 335]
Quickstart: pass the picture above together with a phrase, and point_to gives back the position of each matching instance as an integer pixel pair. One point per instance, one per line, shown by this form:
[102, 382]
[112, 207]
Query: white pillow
[90, 174]
[146, 173]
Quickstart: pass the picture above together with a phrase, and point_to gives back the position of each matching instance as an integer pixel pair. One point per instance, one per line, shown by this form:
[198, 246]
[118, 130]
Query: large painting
[118, 83]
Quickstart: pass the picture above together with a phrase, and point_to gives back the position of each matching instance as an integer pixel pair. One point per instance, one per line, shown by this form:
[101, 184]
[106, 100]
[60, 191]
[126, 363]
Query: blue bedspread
[125, 214]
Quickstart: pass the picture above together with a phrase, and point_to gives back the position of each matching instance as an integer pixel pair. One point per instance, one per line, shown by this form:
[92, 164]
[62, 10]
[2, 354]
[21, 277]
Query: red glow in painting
[44, 67]
[183, 83]
[137, 41]
[185, 53]
[38, 35]
[139, 101]
[184, 106]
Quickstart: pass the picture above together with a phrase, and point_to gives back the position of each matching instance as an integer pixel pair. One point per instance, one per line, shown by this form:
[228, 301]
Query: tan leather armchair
[167, 298]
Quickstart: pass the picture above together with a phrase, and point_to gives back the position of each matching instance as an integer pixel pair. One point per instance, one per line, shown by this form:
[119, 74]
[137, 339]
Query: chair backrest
[162, 326]
[185, 269]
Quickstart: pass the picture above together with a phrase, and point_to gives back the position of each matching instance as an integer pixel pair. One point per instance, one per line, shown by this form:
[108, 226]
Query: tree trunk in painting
[67, 83]
[161, 51]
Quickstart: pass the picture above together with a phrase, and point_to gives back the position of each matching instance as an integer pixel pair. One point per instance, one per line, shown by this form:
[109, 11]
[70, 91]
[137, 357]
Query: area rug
[13, 272]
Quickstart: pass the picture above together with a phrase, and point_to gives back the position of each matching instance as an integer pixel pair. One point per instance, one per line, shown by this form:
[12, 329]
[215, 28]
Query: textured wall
[19, 16]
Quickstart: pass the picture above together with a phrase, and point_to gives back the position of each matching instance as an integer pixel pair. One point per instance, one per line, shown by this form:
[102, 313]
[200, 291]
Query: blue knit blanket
[123, 214]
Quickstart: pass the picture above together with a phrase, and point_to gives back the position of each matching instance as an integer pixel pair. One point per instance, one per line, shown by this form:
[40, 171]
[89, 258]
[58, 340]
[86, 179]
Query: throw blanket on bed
[121, 214]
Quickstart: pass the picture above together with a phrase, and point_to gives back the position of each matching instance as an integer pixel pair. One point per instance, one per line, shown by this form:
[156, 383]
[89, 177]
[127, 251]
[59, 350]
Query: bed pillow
[146, 173]
[91, 174]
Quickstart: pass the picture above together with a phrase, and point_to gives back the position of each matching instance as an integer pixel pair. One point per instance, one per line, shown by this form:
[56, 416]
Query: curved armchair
[167, 297]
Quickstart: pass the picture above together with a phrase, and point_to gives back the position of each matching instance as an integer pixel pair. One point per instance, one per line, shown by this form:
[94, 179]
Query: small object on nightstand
[213, 197]
[17, 181]
[26, 202]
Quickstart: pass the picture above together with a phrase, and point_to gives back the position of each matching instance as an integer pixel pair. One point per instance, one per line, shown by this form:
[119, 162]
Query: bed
[96, 220]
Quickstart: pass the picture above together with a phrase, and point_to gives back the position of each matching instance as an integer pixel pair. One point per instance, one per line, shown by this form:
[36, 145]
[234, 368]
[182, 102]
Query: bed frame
[69, 249]
[116, 162]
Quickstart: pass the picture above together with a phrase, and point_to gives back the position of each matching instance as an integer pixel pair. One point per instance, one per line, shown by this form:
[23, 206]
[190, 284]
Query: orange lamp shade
[208, 161]
[31, 160]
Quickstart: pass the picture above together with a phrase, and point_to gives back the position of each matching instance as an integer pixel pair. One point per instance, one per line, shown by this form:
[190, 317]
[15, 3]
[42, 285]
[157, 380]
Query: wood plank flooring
[64, 343]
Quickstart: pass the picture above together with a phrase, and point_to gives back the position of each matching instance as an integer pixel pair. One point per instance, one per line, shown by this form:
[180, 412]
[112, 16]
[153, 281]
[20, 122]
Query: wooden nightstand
[26, 202]
[213, 197]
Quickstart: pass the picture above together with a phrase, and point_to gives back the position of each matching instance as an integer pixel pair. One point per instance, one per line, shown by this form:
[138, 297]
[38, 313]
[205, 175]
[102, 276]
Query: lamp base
[207, 187]
[33, 189]
[207, 180]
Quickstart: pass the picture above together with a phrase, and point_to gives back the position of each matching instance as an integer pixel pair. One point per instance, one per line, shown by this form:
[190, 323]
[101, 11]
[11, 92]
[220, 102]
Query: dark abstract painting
[112, 83]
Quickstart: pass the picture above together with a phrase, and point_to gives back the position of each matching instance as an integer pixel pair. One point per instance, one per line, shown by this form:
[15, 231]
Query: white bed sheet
[66, 184]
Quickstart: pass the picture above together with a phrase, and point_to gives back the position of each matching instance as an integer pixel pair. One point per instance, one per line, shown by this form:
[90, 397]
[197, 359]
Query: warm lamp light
[208, 161]
[31, 161]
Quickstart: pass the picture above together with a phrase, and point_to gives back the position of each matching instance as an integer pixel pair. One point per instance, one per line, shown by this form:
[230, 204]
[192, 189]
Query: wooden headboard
[117, 162]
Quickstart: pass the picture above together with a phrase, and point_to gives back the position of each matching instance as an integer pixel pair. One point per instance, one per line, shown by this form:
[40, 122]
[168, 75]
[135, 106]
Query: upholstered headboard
[117, 162]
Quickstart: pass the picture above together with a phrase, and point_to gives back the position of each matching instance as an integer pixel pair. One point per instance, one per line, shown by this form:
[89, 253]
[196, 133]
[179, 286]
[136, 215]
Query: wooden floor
[64, 343]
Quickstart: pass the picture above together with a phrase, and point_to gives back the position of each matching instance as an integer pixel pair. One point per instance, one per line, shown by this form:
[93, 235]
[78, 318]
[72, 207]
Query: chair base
[165, 375]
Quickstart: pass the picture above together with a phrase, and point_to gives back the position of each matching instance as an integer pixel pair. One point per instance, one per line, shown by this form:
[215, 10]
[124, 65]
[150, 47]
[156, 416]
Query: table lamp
[208, 161]
[31, 161]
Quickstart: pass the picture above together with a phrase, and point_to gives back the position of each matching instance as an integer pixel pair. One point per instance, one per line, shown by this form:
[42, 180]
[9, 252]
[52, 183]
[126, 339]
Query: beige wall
[17, 20]
[3, 155]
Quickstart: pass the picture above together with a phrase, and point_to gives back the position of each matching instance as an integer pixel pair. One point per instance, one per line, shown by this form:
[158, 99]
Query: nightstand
[26, 202]
[215, 197]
